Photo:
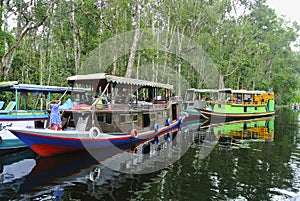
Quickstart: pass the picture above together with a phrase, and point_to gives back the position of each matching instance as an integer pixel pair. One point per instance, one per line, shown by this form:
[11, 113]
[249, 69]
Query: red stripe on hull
[45, 150]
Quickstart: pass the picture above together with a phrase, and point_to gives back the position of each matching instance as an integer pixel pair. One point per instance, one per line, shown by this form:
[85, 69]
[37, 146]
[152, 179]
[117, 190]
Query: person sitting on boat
[55, 120]
[97, 102]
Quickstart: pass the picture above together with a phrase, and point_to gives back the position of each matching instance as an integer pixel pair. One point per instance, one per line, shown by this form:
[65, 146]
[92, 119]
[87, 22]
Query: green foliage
[252, 50]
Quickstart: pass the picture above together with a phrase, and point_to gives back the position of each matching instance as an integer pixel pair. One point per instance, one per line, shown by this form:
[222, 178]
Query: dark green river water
[261, 161]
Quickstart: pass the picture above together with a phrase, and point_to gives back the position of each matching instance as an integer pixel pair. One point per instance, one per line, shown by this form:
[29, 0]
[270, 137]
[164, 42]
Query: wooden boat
[239, 104]
[194, 100]
[14, 116]
[145, 110]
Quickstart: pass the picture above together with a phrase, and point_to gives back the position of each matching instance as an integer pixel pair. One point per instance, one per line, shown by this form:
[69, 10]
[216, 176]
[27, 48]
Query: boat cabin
[28, 102]
[118, 104]
[244, 97]
[196, 98]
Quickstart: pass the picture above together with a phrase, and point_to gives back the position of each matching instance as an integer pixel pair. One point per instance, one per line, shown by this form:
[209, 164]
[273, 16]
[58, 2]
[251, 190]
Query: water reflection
[154, 155]
[52, 177]
[239, 134]
[238, 174]
[268, 169]
[66, 168]
[13, 168]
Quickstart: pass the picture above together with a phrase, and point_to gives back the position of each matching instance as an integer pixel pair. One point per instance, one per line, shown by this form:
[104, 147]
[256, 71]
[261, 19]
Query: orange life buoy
[134, 133]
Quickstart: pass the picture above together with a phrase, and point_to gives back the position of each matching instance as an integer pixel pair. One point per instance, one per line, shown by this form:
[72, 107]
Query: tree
[33, 18]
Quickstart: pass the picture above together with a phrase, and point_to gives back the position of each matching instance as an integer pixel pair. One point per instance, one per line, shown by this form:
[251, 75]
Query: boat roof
[14, 85]
[120, 80]
[203, 90]
[241, 91]
[226, 90]
[248, 92]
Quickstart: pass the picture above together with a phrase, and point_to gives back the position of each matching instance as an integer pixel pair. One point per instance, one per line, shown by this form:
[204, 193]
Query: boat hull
[48, 142]
[219, 117]
[193, 115]
[8, 141]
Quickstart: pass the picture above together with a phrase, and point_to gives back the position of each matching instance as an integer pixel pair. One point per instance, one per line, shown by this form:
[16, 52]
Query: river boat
[17, 114]
[239, 104]
[194, 100]
[124, 111]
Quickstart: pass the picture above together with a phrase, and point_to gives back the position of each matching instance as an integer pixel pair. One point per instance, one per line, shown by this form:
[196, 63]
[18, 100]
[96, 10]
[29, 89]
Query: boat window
[100, 118]
[247, 98]
[135, 118]
[108, 118]
[146, 120]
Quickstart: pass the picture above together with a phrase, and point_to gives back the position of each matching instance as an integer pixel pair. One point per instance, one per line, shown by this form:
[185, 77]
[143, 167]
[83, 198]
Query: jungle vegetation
[248, 45]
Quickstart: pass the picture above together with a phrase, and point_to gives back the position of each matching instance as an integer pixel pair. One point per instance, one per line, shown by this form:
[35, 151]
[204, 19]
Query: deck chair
[2, 103]
[11, 105]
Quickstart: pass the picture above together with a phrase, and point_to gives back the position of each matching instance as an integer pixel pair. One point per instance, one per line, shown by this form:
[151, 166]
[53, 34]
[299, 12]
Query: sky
[289, 9]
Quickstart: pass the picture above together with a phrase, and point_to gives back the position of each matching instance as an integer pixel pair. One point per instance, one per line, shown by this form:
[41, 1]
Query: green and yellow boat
[239, 104]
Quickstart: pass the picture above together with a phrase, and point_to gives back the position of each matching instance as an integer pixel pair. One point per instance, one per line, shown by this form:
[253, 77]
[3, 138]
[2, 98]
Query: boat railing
[261, 99]
[239, 102]
[176, 99]
[135, 105]
[26, 112]
[198, 104]
[141, 105]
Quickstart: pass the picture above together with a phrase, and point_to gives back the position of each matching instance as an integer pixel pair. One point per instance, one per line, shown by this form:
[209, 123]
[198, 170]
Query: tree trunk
[76, 41]
[180, 40]
[115, 52]
[221, 81]
[138, 65]
[135, 40]
[238, 82]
